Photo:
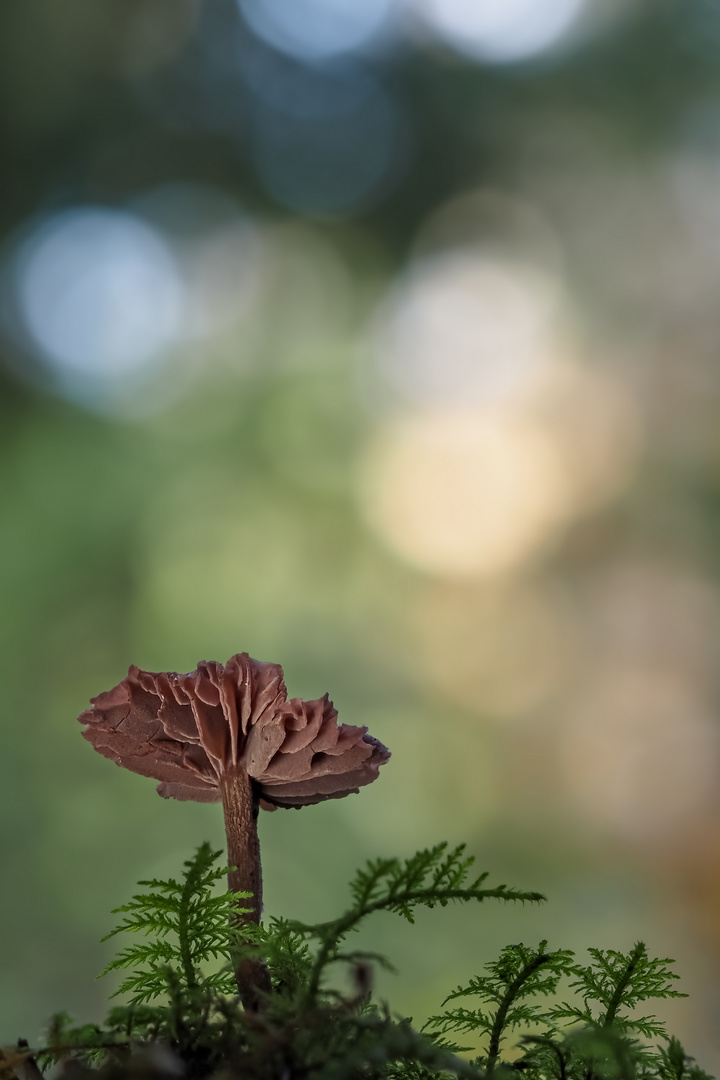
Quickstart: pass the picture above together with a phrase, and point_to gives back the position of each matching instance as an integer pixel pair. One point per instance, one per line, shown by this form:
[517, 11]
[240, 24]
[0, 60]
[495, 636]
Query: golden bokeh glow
[463, 493]
[639, 755]
[500, 651]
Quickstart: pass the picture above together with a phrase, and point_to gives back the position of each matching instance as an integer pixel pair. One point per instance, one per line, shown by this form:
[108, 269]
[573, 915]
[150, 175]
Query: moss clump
[182, 1016]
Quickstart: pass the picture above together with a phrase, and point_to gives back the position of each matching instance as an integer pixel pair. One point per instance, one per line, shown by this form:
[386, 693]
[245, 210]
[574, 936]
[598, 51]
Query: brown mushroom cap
[188, 730]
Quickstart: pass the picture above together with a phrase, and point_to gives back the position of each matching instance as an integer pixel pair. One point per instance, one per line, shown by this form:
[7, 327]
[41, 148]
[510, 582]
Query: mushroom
[227, 733]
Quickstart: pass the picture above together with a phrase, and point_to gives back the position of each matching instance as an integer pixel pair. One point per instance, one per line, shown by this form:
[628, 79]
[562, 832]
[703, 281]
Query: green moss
[181, 1016]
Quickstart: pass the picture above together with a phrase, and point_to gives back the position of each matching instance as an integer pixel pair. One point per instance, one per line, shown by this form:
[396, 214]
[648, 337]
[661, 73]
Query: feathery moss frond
[620, 981]
[518, 974]
[185, 924]
[193, 1020]
[429, 878]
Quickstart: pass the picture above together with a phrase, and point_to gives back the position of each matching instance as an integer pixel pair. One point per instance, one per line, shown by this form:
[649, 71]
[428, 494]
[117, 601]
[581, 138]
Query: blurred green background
[381, 340]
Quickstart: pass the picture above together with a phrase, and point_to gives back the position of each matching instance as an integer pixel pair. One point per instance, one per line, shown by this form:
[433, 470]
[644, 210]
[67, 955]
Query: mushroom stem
[240, 809]
[240, 806]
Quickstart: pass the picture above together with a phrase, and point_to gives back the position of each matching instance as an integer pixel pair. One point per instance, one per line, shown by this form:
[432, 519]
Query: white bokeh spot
[502, 31]
[99, 292]
[316, 29]
[467, 327]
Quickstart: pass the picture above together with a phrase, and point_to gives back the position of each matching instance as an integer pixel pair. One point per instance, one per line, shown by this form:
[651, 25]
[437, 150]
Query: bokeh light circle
[502, 31]
[502, 650]
[467, 327]
[465, 493]
[640, 753]
[99, 292]
[325, 141]
[316, 29]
